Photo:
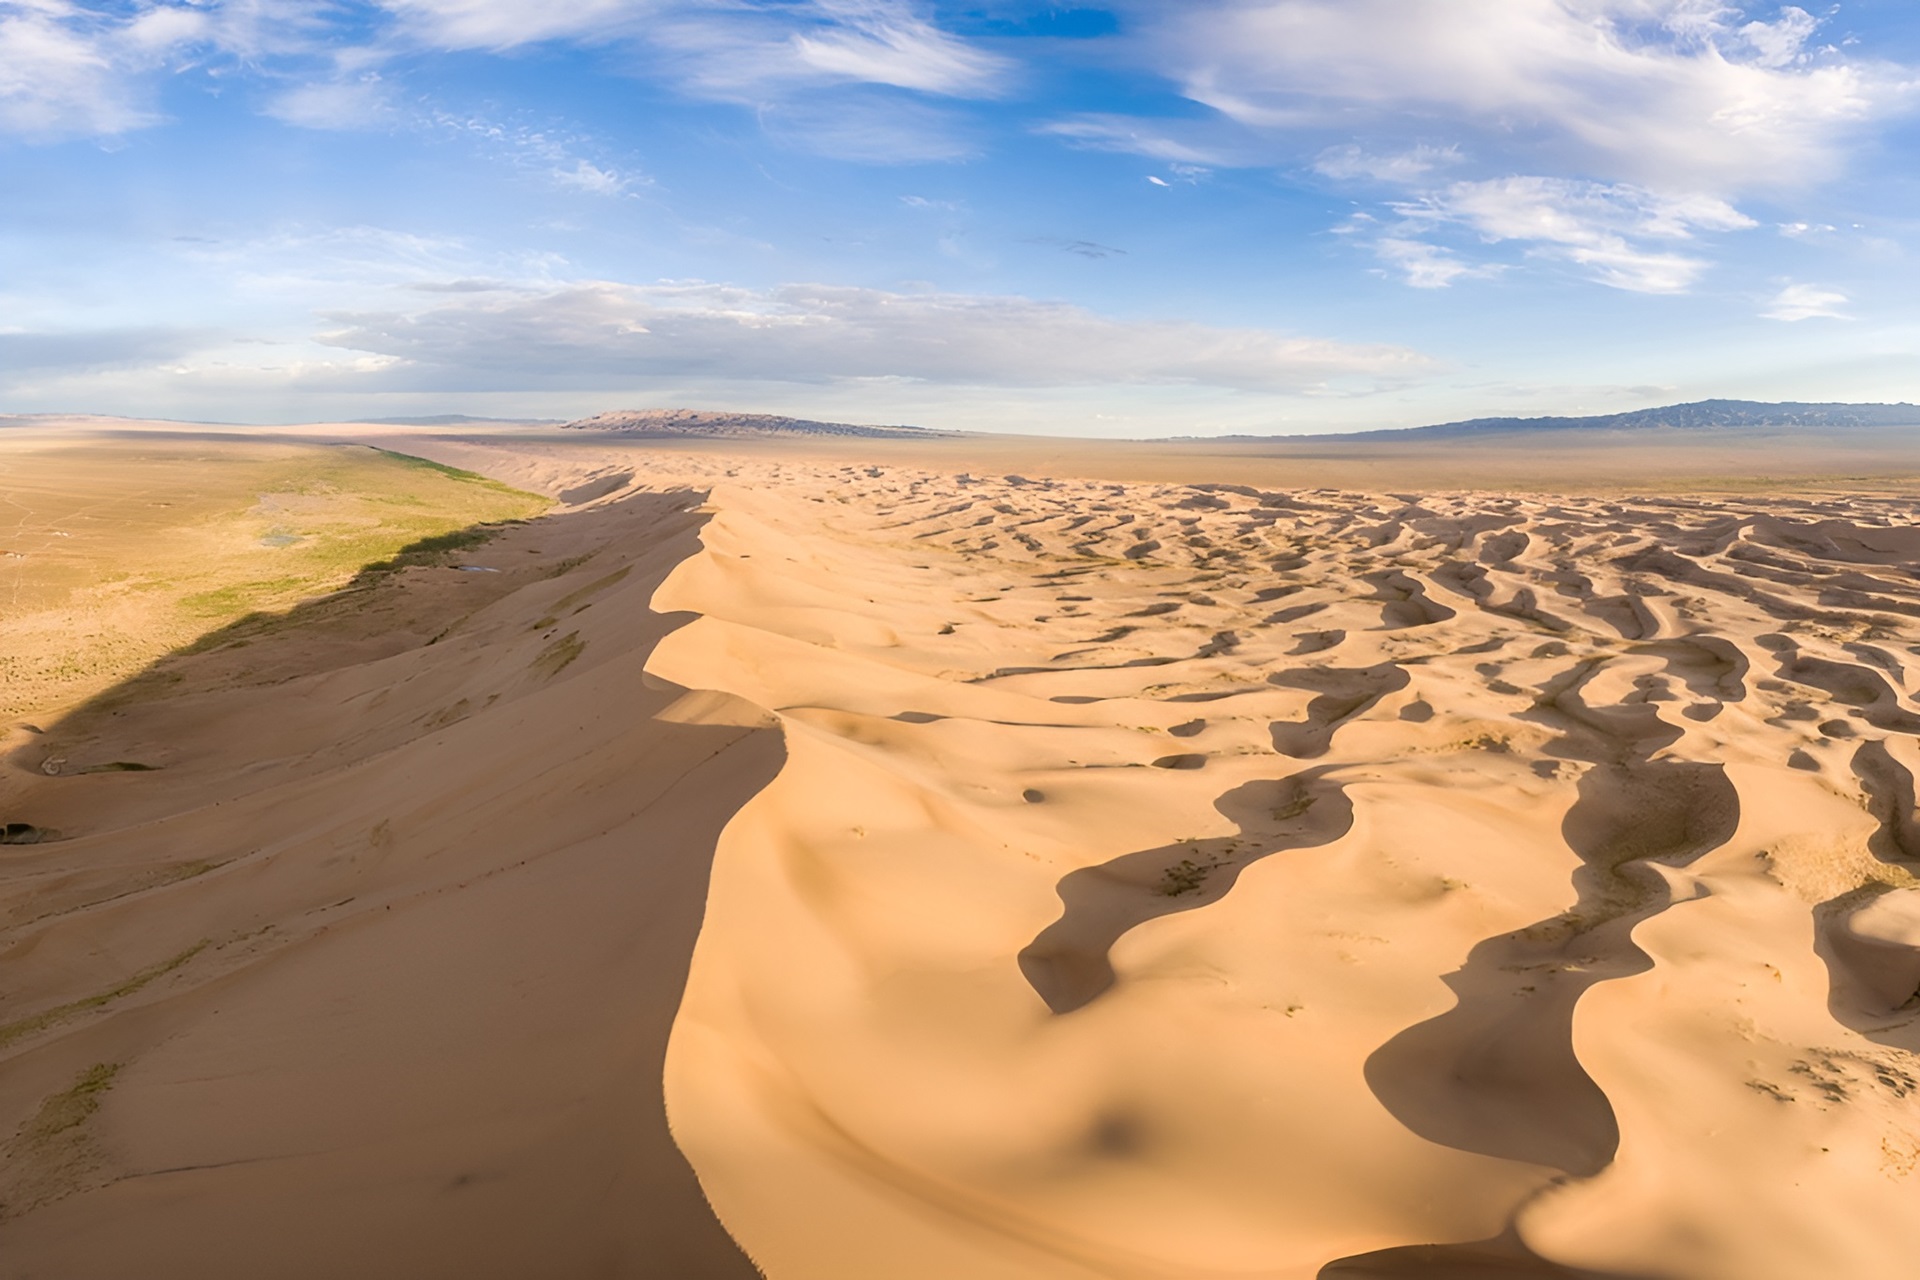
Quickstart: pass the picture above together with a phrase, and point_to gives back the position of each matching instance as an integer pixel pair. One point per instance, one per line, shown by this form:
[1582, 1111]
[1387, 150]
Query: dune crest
[372, 973]
[1196, 881]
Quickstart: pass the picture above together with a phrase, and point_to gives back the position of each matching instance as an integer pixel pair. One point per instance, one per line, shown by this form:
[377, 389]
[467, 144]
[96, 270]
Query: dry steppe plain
[1003, 859]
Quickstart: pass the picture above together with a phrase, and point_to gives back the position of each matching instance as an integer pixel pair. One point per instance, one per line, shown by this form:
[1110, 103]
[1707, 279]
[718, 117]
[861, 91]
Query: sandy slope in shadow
[371, 971]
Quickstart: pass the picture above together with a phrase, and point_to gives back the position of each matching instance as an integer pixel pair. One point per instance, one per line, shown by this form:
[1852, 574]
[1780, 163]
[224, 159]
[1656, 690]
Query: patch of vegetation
[1184, 876]
[1188, 876]
[568, 565]
[430, 550]
[449, 715]
[246, 533]
[559, 655]
[235, 597]
[73, 1107]
[592, 588]
[452, 473]
[21, 1028]
[1294, 808]
[51, 1155]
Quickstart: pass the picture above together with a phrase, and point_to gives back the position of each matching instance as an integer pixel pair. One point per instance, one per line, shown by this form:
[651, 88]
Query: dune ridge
[1183, 881]
[1146, 881]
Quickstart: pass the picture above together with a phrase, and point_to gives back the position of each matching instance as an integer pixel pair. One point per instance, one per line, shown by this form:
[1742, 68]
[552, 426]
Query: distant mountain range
[697, 422]
[1700, 415]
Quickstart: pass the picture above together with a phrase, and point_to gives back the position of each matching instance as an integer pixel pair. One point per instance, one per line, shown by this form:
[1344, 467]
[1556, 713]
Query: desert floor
[1038, 862]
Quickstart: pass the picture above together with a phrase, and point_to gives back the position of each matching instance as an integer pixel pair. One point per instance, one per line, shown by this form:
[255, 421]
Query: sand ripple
[1173, 881]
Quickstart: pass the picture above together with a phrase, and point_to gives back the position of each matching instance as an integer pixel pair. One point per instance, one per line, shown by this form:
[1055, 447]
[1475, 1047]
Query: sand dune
[1147, 881]
[373, 974]
[1196, 881]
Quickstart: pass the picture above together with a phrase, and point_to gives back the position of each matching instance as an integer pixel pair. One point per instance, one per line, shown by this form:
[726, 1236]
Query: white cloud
[300, 268]
[505, 24]
[870, 129]
[1134, 137]
[1782, 42]
[825, 334]
[1664, 93]
[66, 70]
[336, 104]
[731, 51]
[553, 155]
[1401, 168]
[72, 69]
[1807, 302]
[255, 31]
[92, 67]
[27, 354]
[587, 176]
[885, 42]
[1425, 266]
[1603, 228]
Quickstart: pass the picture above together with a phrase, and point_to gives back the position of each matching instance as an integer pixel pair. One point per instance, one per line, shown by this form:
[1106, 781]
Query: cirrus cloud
[67, 70]
[78, 68]
[1674, 94]
[1622, 236]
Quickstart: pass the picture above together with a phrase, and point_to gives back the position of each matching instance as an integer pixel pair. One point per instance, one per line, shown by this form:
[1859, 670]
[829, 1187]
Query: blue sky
[1146, 217]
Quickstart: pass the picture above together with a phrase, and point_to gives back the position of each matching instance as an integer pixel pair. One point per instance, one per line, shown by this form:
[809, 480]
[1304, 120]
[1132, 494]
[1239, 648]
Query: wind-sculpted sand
[1159, 882]
[1200, 881]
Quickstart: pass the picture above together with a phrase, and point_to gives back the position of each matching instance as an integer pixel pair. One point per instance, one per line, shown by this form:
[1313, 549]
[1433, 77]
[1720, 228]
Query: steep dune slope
[1194, 882]
[371, 974]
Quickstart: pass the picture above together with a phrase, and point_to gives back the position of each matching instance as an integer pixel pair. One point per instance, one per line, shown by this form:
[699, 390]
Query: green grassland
[114, 552]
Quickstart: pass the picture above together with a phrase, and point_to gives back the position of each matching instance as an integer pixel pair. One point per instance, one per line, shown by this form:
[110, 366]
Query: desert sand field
[118, 547]
[888, 868]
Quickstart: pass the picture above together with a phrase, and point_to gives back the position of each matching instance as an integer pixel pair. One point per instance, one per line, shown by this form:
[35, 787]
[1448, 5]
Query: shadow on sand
[650, 875]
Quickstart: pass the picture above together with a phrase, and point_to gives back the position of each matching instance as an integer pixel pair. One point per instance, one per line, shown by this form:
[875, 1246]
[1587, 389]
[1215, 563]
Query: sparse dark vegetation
[1188, 876]
[21, 1028]
[559, 655]
[73, 1107]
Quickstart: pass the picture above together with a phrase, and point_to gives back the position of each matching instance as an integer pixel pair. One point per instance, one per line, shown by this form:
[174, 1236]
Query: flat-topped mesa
[700, 422]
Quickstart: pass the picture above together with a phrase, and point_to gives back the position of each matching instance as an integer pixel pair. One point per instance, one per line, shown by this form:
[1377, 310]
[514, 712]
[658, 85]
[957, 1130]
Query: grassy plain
[114, 551]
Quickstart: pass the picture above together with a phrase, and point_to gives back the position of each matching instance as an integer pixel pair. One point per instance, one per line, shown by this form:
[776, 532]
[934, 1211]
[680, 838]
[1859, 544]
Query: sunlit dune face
[1215, 880]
